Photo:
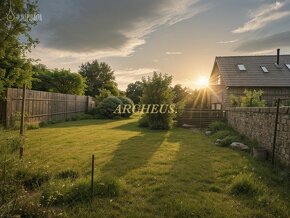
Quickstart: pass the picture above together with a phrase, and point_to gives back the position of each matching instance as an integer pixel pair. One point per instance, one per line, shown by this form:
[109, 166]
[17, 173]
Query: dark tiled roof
[254, 75]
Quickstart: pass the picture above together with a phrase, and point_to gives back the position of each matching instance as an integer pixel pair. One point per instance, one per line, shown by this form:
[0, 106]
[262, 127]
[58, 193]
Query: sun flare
[202, 82]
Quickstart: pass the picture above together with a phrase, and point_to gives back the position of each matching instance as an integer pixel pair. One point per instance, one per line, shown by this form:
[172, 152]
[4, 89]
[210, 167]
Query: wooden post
[22, 120]
[275, 131]
[92, 179]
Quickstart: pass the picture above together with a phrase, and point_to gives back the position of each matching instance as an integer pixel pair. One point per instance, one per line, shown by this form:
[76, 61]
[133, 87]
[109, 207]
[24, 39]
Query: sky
[180, 38]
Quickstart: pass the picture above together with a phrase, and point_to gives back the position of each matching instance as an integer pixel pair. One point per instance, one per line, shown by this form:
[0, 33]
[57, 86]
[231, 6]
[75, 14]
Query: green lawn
[179, 173]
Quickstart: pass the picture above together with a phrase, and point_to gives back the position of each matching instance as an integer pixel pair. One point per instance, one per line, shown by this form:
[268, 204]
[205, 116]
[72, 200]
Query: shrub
[217, 126]
[126, 101]
[143, 121]
[42, 124]
[68, 174]
[107, 107]
[229, 140]
[157, 90]
[222, 134]
[245, 184]
[31, 180]
[31, 126]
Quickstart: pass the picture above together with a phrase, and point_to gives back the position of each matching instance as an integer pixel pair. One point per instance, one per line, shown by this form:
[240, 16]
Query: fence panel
[42, 106]
[198, 118]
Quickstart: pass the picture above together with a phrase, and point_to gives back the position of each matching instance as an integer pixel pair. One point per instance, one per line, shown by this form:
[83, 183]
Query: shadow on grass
[134, 152]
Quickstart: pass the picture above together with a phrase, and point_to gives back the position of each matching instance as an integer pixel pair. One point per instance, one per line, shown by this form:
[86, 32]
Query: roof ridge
[237, 56]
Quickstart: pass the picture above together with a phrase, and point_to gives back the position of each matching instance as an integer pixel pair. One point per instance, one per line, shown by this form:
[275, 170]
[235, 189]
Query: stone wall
[258, 124]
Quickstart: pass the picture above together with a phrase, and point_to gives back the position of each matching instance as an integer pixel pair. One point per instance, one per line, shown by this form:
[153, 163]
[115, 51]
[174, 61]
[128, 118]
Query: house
[234, 74]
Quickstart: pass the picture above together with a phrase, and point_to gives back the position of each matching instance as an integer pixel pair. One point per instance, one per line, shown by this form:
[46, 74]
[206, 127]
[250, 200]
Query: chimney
[278, 57]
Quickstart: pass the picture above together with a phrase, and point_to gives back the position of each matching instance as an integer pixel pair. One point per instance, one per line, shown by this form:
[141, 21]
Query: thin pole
[22, 119]
[92, 179]
[275, 130]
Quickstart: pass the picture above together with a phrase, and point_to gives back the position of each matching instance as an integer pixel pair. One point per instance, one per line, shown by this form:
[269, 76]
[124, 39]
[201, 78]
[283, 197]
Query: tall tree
[15, 68]
[135, 91]
[99, 76]
[157, 90]
[67, 82]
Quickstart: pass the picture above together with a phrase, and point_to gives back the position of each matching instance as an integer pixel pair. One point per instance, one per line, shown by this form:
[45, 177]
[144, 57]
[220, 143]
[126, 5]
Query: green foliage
[157, 91]
[253, 99]
[234, 101]
[197, 99]
[58, 80]
[104, 93]
[217, 126]
[135, 91]
[14, 143]
[221, 134]
[245, 185]
[99, 76]
[30, 179]
[107, 107]
[33, 125]
[180, 94]
[15, 42]
[143, 121]
[126, 101]
[68, 174]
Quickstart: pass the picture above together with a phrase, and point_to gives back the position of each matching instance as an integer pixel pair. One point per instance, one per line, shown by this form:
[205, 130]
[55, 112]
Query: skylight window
[242, 67]
[265, 70]
[288, 66]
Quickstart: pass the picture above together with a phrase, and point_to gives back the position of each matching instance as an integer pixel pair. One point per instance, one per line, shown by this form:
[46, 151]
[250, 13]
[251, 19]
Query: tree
[62, 81]
[99, 76]
[157, 90]
[135, 91]
[42, 78]
[15, 42]
[180, 93]
[68, 83]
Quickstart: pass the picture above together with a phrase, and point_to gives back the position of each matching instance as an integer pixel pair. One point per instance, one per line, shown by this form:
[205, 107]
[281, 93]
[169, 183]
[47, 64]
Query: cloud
[265, 44]
[173, 53]
[126, 76]
[228, 42]
[263, 16]
[114, 28]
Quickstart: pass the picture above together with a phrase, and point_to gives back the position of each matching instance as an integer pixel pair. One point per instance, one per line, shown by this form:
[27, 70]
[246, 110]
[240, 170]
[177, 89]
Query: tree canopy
[135, 91]
[15, 68]
[58, 80]
[99, 76]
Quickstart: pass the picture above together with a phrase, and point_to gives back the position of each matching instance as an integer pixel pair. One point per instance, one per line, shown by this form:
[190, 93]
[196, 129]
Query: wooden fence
[42, 106]
[198, 118]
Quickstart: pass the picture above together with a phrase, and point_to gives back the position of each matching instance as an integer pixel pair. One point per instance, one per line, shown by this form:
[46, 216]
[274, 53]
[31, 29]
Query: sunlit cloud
[126, 76]
[228, 42]
[173, 53]
[263, 16]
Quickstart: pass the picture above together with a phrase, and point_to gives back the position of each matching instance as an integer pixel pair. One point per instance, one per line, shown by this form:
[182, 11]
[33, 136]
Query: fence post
[22, 119]
[92, 179]
[275, 130]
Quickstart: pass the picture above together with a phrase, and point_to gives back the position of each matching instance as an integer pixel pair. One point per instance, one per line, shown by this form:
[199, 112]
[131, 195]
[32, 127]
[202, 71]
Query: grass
[151, 173]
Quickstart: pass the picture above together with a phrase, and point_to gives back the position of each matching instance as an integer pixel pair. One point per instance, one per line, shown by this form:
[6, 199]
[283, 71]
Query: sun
[202, 82]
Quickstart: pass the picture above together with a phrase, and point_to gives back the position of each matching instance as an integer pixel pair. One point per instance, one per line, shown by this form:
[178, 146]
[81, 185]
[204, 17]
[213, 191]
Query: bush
[68, 174]
[107, 107]
[126, 101]
[222, 134]
[244, 184]
[157, 90]
[229, 140]
[143, 121]
[31, 180]
[31, 126]
[217, 126]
